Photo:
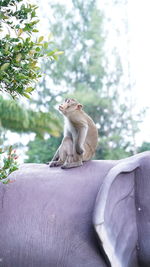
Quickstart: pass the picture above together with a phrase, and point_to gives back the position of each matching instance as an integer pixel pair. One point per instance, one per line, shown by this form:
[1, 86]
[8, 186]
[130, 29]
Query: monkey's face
[69, 106]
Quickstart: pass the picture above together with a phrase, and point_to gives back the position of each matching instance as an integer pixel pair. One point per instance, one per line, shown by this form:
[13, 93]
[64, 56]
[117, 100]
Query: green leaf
[29, 89]
[34, 22]
[6, 181]
[28, 39]
[50, 36]
[4, 66]
[59, 53]
[22, 76]
[51, 53]
[45, 45]
[38, 49]
[35, 30]
[26, 95]
[20, 31]
[55, 57]
[40, 39]
[6, 80]
[33, 14]
[18, 57]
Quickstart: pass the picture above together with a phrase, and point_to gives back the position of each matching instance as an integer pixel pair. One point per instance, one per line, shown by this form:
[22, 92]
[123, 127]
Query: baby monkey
[80, 137]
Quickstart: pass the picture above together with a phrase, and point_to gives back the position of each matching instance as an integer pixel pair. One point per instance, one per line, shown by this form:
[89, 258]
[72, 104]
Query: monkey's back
[91, 139]
[81, 119]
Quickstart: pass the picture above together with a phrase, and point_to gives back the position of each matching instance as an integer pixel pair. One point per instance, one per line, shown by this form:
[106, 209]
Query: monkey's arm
[82, 133]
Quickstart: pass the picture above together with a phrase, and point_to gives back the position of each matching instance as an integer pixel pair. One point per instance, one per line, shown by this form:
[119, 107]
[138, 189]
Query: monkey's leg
[55, 159]
[88, 152]
[70, 163]
[81, 139]
[61, 154]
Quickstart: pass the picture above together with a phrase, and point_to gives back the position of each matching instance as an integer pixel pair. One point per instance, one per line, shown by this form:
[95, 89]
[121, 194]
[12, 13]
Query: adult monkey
[80, 137]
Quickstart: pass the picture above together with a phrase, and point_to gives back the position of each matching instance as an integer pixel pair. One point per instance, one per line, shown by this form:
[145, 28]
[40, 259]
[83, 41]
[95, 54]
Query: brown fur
[80, 137]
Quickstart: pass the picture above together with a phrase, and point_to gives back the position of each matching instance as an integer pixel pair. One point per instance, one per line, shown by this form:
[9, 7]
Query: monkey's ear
[79, 106]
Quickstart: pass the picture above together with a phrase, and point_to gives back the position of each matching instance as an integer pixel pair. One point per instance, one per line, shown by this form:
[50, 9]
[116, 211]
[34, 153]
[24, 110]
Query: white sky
[139, 23]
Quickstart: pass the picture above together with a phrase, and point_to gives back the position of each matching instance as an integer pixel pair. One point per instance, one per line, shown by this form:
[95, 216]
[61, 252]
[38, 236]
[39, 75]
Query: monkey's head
[69, 106]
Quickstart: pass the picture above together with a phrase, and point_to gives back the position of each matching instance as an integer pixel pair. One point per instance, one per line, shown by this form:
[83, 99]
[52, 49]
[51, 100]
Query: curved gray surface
[122, 213]
[46, 216]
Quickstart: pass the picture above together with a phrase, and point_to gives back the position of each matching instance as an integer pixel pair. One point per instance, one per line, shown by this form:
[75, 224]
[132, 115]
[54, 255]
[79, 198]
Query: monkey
[80, 137]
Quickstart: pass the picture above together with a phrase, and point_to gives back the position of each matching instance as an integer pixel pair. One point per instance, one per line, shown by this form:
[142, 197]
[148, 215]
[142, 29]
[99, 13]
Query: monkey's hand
[79, 149]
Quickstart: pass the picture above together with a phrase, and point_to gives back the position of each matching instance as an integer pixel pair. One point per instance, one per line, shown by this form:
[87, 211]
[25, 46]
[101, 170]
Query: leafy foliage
[41, 150]
[19, 52]
[9, 164]
[83, 40]
[16, 118]
[144, 147]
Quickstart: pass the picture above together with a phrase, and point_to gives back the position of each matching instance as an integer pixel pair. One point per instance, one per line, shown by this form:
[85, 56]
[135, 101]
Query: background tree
[19, 119]
[84, 72]
[42, 150]
[144, 147]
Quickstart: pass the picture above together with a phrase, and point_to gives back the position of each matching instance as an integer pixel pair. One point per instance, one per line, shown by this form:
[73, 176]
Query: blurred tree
[84, 72]
[144, 147]
[41, 150]
[16, 118]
